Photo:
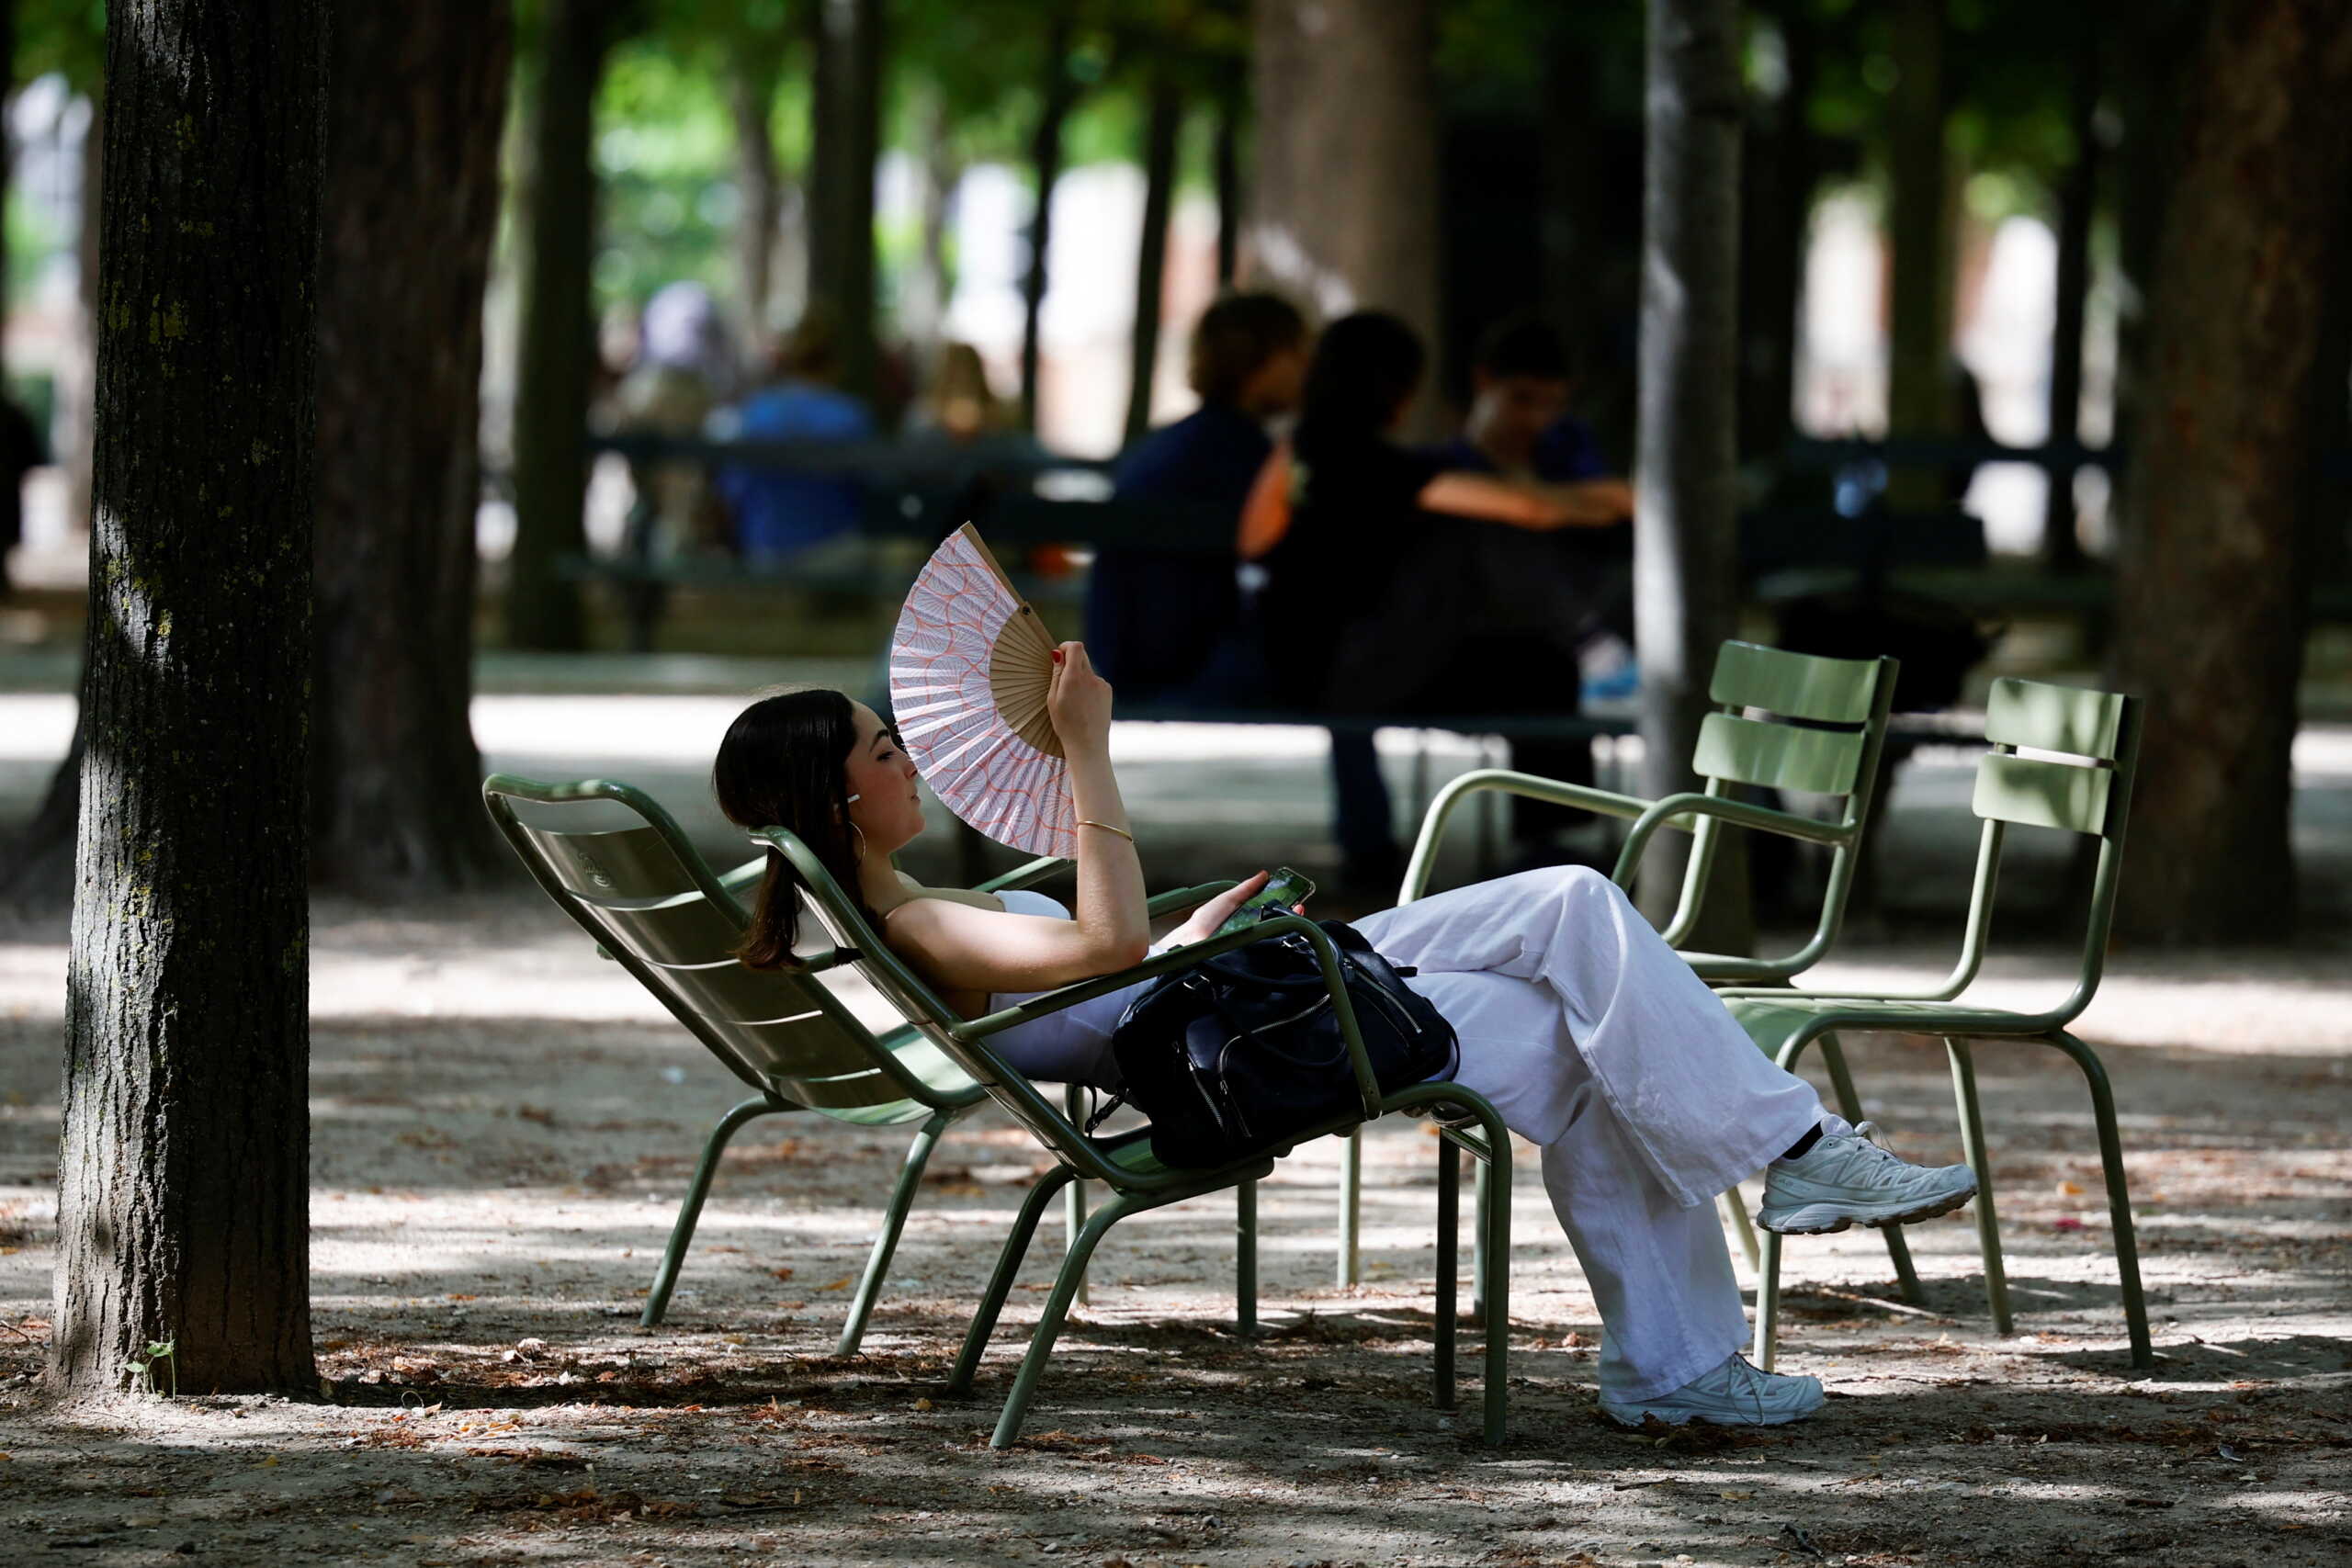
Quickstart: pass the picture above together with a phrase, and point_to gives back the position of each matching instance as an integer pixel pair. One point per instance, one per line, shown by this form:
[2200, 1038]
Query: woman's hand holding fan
[1079, 701]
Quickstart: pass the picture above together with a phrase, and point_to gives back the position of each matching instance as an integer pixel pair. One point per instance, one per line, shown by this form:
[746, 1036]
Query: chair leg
[1449, 1263]
[1988, 1224]
[2119, 1195]
[1074, 1196]
[1350, 1206]
[1049, 1326]
[1008, 1269]
[1245, 1256]
[1734, 1207]
[1494, 1225]
[894, 1222]
[682, 1231]
[1768, 1300]
[1849, 1104]
[1482, 1192]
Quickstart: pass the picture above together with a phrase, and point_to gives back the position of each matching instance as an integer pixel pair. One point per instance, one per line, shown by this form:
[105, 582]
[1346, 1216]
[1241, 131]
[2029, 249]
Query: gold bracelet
[1106, 827]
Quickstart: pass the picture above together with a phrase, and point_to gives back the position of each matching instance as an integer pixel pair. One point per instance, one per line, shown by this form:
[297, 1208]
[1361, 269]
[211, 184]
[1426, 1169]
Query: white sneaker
[1843, 1178]
[1734, 1394]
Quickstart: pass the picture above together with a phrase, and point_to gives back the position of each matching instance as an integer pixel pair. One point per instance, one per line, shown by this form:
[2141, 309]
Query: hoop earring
[861, 840]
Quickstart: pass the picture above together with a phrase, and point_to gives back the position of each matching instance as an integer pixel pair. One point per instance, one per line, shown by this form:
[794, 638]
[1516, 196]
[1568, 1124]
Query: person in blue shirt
[778, 512]
[1167, 624]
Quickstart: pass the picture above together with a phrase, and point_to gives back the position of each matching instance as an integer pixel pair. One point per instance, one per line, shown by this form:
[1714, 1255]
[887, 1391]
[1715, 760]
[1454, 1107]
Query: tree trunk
[76, 368]
[1919, 223]
[557, 352]
[183, 1194]
[922, 303]
[1685, 598]
[2062, 546]
[1345, 190]
[410, 205]
[2148, 88]
[1058, 93]
[2212, 595]
[845, 139]
[752, 77]
[1782, 169]
[1225, 161]
[1163, 123]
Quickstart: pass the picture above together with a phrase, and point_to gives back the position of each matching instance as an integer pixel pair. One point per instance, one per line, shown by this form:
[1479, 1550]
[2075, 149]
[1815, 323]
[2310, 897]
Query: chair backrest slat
[2038, 794]
[1795, 685]
[628, 863]
[646, 895]
[2054, 718]
[684, 929]
[1779, 756]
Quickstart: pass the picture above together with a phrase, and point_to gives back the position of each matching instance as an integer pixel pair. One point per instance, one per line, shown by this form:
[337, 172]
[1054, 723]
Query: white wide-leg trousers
[1595, 1041]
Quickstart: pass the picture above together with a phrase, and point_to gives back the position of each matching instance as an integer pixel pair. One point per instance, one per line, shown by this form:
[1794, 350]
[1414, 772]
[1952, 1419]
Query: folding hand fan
[970, 664]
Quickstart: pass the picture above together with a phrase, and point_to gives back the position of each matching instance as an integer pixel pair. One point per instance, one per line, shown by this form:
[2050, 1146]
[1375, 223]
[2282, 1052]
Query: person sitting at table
[1381, 596]
[1169, 623]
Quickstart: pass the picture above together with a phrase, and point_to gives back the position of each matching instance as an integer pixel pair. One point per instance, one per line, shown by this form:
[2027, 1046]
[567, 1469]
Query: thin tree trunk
[1685, 457]
[1225, 159]
[752, 79]
[1345, 188]
[1163, 123]
[2156, 67]
[2213, 596]
[1919, 223]
[557, 354]
[183, 1194]
[2062, 546]
[1059, 95]
[923, 307]
[1782, 170]
[846, 127]
[412, 203]
[76, 372]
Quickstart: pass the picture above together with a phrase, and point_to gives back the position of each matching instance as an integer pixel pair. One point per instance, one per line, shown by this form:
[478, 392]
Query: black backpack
[1242, 1052]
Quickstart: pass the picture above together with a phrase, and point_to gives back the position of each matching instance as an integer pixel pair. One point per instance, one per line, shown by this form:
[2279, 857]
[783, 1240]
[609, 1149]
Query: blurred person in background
[959, 403]
[781, 513]
[1170, 624]
[683, 366]
[1378, 599]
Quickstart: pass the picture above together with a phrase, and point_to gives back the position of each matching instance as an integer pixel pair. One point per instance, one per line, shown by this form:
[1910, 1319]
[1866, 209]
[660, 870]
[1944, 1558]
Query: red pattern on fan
[944, 672]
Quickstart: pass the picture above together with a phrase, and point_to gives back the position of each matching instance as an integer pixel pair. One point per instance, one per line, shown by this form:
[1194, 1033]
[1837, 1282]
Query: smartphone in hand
[1284, 889]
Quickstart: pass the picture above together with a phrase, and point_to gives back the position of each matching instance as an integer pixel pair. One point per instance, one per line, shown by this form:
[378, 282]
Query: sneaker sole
[1684, 1417]
[1822, 1219]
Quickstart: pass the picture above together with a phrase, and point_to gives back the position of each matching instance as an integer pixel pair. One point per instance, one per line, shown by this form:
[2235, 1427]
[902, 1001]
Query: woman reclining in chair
[1591, 1037]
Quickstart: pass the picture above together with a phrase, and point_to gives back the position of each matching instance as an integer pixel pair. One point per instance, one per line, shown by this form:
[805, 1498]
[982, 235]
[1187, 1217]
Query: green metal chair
[1136, 1180]
[2085, 747]
[1841, 706]
[653, 905]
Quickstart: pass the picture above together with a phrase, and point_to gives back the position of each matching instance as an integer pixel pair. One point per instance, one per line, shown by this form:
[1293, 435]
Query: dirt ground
[503, 1127]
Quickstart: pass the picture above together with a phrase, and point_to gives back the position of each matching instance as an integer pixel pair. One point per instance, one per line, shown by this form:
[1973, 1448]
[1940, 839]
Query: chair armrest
[1024, 876]
[1177, 898]
[744, 876]
[1326, 956]
[1740, 814]
[1606, 802]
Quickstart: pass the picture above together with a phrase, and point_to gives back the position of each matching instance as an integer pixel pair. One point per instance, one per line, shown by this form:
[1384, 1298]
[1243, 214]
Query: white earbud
[853, 799]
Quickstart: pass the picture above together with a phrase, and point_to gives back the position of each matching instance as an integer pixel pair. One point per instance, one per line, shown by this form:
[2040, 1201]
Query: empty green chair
[1135, 1177]
[654, 906]
[1823, 727]
[2084, 748]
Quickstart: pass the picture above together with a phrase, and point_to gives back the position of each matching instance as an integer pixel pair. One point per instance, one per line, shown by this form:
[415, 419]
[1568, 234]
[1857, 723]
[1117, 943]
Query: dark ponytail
[781, 766]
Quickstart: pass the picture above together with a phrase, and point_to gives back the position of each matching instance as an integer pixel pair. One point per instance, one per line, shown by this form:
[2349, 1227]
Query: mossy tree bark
[1685, 463]
[411, 204]
[183, 1199]
[2212, 597]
